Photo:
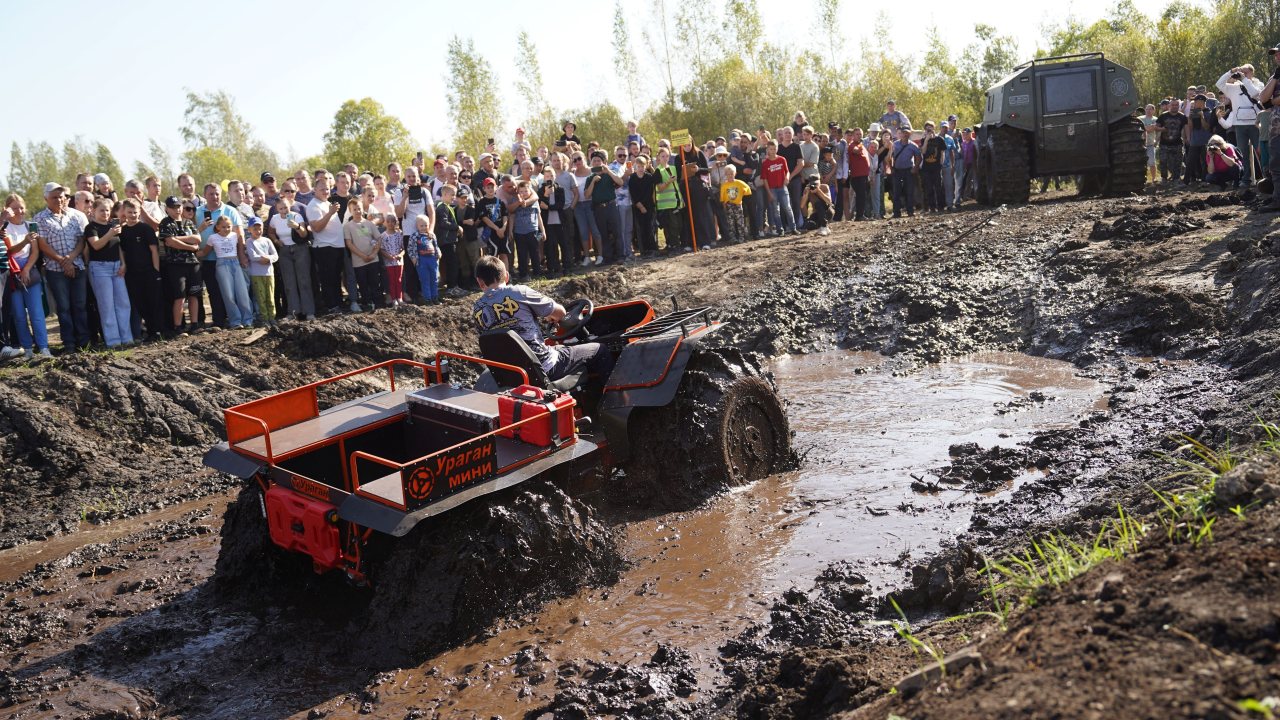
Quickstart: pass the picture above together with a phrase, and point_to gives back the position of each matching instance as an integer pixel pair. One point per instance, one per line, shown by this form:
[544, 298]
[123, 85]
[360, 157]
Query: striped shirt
[62, 232]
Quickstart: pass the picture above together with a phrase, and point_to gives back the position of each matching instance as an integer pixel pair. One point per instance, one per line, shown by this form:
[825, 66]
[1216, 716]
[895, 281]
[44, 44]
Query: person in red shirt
[859, 174]
[775, 172]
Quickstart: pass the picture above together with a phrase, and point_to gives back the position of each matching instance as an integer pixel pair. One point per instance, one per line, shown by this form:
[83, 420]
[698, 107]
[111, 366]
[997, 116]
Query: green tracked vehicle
[1069, 115]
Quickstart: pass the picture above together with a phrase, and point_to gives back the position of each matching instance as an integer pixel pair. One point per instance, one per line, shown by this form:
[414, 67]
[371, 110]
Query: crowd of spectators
[1218, 135]
[118, 268]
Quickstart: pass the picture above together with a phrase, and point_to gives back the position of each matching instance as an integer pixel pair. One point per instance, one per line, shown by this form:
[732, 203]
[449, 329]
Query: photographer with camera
[1222, 162]
[1241, 89]
[816, 200]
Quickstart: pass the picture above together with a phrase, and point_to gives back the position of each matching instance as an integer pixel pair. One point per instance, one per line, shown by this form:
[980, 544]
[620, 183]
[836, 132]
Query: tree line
[672, 75]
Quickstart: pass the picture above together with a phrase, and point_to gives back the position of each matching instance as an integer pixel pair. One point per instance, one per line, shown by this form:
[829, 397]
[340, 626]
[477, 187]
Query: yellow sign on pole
[680, 138]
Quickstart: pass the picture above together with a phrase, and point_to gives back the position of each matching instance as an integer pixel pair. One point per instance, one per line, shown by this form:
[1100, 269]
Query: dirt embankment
[1170, 304]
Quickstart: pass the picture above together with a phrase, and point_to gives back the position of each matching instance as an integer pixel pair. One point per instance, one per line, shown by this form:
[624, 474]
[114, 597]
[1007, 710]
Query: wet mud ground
[1150, 316]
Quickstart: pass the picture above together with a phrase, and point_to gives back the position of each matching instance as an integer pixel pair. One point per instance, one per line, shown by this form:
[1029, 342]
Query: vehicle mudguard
[647, 374]
[222, 458]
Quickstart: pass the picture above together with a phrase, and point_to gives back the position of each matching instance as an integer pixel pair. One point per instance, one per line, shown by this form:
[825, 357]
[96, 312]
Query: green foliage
[1055, 559]
[1001, 606]
[474, 100]
[903, 628]
[364, 134]
[220, 143]
[625, 61]
[39, 163]
[160, 164]
[1188, 514]
[1265, 707]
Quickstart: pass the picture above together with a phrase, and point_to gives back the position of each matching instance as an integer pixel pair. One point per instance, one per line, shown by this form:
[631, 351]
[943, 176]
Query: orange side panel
[280, 410]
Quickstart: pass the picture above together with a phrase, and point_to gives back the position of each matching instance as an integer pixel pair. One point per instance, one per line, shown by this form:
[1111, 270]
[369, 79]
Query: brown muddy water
[699, 578]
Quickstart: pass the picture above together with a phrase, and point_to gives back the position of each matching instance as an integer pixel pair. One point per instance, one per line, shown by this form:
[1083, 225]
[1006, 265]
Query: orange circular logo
[421, 483]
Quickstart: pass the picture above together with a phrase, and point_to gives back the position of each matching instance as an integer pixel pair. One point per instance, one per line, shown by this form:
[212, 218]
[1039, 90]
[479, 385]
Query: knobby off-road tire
[1128, 159]
[455, 573]
[250, 566]
[1004, 167]
[725, 428]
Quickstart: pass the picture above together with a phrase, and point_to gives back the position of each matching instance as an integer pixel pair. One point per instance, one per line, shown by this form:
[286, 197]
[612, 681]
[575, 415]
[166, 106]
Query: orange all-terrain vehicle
[339, 485]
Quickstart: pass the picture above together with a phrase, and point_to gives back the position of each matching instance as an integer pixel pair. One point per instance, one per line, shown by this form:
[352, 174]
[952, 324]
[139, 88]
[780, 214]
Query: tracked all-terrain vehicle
[341, 486]
[1067, 115]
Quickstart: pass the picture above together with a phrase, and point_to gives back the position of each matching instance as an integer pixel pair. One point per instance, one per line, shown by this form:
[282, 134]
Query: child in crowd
[447, 231]
[526, 224]
[775, 171]
[732, 192]
[262, 257]
[426, 257]
[391, 248]
[140, 245]
[361, 235]
[106, 275]
[228, 248]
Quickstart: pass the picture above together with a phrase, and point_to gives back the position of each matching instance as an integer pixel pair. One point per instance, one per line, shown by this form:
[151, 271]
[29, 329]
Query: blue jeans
[71, 296]
[235, 292]
[113, 302]
[585, 219]
[780, 210]
[874, 211]
[28, 316]
[429, 276]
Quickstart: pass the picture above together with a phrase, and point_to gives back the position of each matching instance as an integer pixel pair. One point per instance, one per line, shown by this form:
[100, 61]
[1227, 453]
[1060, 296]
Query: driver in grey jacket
[519, 307]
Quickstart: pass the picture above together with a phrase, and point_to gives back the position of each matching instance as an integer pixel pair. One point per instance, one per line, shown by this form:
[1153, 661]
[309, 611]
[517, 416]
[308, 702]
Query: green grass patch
[1055, 559]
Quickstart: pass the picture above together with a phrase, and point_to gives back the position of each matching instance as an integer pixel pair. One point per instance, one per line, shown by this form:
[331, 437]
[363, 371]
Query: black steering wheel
[575, 317]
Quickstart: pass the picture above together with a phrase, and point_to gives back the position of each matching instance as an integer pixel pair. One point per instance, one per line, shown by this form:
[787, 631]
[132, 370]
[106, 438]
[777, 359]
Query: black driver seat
[505, 346]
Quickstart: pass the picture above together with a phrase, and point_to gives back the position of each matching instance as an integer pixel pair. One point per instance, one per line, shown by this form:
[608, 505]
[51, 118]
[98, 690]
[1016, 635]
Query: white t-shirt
[153, 209]
[224, 246]
[331, 236]
[280, 224]
[16, 235]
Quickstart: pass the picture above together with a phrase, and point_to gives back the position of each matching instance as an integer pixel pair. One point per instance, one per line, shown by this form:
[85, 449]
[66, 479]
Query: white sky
[124, 67]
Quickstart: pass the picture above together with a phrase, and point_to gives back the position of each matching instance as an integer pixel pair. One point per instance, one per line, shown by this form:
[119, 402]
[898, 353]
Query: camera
[1237, 76]
[811, 183]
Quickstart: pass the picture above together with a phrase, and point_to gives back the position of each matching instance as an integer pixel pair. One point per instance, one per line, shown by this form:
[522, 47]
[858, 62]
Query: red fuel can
[553, 411]
[301, 524]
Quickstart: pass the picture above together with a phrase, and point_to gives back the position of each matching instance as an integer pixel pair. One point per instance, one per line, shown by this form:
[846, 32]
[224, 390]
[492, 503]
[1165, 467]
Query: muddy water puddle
[700, 578]
[19, 559]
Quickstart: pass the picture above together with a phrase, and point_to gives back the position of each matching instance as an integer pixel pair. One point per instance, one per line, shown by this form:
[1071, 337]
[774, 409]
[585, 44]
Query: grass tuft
[918, 645]
[1056, 559]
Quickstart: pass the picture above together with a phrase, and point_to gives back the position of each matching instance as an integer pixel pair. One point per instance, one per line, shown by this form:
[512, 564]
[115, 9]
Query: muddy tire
[725, 428]
[455, 573]
[249, 565]
[1128, 159]
[1004, 167]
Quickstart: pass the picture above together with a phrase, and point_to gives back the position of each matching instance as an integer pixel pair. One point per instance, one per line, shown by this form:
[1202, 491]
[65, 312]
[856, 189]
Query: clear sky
[122, 69]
